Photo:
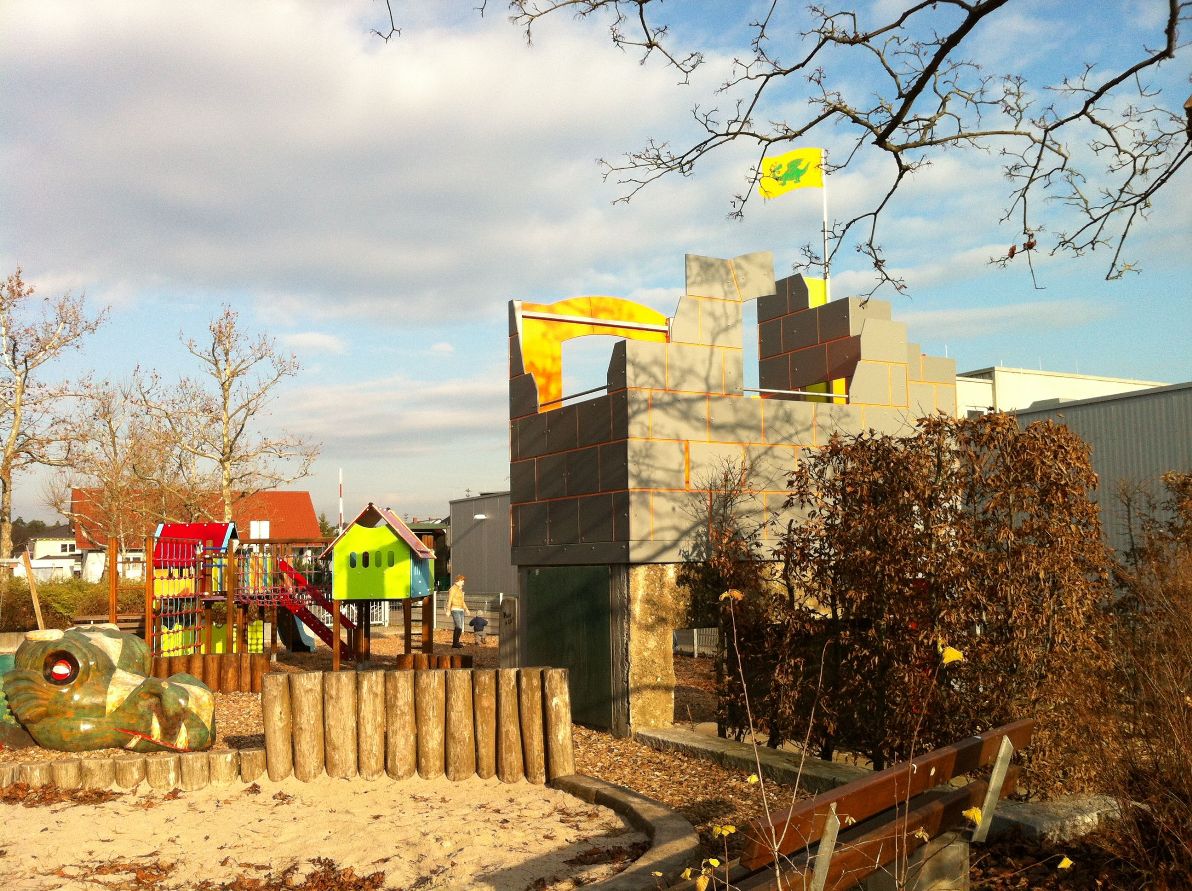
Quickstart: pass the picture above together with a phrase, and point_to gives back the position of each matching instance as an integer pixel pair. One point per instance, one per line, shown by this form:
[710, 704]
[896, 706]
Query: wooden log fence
[514, 724]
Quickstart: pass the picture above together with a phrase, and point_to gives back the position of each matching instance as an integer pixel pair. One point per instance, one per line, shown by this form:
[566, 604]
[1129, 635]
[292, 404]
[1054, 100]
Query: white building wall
[1013, 389]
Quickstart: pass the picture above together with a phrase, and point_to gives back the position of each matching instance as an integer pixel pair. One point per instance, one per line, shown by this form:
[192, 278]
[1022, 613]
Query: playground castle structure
[209, 597]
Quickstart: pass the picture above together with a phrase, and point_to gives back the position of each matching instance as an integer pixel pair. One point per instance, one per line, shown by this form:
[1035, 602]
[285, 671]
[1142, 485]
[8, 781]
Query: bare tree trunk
[5, 513]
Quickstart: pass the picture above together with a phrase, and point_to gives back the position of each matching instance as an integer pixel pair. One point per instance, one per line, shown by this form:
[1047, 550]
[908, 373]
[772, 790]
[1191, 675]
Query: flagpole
[824, 190]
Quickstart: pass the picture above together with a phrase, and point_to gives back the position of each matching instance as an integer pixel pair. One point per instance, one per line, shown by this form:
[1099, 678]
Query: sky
[374, 205]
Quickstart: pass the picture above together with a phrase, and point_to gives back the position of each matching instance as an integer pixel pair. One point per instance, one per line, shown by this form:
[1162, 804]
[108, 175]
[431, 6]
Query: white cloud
[313, 342]
[983, 321]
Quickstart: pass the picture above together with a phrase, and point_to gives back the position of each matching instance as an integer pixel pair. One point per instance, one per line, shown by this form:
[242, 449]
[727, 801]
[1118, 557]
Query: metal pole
[824, 191]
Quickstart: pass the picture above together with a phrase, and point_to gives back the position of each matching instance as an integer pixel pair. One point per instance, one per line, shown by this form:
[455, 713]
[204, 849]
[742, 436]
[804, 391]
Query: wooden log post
[370, 722]
[97, 773]
[339, 723]
[306, 701]
[194, 665]
[194, 771]
[8, 775]
[252, 764]
[177, 665]
[130, 771]
[36, 774]
[428, 624]
[113, 580]
[244, 674]
[67, 774]
[260, 667]
[421, 661]
[510, 764]
[213, 671]
[560, 750]
[147, 569]
[461, 726]
[429, 706]
[401, 733]
[484, 706]
[336, 626]
[223, 767]
[529, 703]
[229, 680]
[404, 662]
[161, 770]
[278, 721]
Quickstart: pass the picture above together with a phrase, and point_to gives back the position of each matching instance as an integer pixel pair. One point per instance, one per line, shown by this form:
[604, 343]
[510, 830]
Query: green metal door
[568, 616]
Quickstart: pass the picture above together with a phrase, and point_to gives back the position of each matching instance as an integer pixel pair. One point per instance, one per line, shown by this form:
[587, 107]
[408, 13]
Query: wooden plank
[803, 824]
[484, 704]
[401, 732]
[876, 843]
[29, 577]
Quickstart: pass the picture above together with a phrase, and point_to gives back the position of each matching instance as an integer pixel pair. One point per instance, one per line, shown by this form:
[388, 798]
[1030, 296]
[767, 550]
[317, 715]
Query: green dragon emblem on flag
[791, 173]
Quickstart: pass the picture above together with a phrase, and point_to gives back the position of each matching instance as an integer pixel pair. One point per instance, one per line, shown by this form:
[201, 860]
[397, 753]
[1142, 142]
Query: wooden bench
[131, 622]
[840, 838]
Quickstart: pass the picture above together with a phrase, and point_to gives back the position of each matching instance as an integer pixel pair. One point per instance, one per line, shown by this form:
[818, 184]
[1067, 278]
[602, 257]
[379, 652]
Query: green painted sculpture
[89, 688]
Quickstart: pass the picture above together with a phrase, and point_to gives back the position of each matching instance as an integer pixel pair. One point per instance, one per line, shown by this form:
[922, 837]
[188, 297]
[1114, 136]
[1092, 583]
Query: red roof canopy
[291, 514]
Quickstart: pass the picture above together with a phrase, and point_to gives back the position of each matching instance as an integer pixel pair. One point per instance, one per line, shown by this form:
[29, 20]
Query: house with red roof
[274, 515]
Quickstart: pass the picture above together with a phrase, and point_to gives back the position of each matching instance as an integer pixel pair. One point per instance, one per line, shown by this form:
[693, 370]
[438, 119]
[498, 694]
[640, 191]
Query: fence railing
[697, 642]
[459, 723]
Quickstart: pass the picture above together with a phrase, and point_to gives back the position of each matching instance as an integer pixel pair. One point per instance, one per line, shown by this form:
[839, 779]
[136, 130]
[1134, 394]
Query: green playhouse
[377, 557]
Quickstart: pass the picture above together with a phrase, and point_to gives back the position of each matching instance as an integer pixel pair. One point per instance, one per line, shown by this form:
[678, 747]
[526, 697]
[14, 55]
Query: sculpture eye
[61, 668]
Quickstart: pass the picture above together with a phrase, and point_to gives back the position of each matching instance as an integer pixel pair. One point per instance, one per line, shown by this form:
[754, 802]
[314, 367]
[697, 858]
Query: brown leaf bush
[970, 532]
[1146, 752]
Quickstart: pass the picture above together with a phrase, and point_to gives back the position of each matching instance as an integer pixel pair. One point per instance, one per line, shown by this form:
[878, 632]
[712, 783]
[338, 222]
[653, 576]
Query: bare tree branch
[929, 98]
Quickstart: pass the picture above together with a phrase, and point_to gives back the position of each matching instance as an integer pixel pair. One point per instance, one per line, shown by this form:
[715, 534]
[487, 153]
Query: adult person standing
[458, 608]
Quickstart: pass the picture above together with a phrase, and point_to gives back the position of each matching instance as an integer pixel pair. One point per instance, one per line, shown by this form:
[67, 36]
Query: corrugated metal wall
[480, 548]
[1136, 437]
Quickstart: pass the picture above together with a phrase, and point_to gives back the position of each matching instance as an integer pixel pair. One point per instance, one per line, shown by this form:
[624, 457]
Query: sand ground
[424, 834]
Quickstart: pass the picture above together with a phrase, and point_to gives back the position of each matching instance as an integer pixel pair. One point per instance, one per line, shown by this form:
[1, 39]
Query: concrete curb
[674, 844]
[782, 767]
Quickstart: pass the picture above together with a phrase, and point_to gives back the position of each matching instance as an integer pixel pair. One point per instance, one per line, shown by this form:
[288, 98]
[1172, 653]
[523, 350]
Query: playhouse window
[352, 560]
[378, 560]
[391, 558]
[365, 560]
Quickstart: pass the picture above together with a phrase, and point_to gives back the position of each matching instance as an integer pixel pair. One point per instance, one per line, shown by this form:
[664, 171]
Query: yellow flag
[799, 169]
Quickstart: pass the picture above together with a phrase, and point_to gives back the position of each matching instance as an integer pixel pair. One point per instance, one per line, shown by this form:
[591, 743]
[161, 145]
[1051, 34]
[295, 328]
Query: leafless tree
[127, 474]
[1099, 144]
[215, 419]
[34, 414]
